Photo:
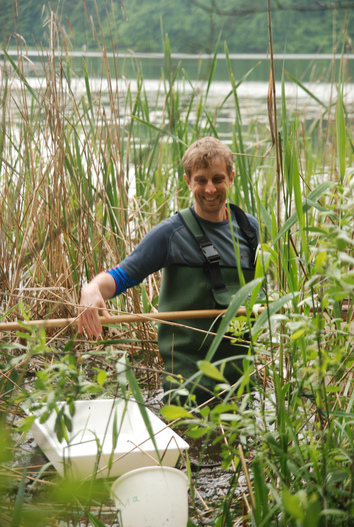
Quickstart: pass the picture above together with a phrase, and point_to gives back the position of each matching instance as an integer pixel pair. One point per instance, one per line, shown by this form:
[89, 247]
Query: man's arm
[149, 256]
[92, 302]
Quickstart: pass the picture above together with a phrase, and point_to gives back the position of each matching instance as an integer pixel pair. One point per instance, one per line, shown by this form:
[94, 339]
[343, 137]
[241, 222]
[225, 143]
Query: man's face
[209, 187]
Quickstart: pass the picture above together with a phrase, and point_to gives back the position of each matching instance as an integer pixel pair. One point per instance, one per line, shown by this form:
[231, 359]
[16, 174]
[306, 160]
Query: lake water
[252, 99]
[306, 68]
[314, 72]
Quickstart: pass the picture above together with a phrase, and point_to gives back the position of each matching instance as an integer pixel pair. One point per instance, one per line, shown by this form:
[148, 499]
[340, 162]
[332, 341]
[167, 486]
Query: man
[198, 272]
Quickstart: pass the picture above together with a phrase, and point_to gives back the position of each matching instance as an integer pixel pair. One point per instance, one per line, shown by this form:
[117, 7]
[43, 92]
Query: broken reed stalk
[117, 319]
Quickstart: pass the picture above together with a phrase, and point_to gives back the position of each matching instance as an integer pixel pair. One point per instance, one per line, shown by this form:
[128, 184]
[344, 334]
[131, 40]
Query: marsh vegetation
[83, 176]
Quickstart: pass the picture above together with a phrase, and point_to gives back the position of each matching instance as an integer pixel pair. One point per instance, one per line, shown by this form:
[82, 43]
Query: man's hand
[92, 303]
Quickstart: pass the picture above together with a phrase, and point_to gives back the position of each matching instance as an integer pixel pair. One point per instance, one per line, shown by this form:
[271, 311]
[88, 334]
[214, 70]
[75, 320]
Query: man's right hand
[92, 303]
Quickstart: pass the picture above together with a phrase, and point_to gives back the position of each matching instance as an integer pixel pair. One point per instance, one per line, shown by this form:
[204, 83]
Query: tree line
[193, 26]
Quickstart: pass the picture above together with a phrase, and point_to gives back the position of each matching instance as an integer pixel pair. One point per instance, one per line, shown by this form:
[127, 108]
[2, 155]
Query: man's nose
[210, 187]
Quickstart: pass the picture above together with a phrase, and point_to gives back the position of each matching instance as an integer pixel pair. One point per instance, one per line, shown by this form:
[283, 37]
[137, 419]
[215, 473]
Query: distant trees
[193, 26]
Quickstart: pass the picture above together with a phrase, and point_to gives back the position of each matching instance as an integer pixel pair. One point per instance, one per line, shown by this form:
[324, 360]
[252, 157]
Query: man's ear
[232, 178]
[187, 180]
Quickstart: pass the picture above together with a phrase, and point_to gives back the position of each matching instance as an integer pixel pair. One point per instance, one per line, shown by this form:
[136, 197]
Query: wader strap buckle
[213, 258]
[208, 250]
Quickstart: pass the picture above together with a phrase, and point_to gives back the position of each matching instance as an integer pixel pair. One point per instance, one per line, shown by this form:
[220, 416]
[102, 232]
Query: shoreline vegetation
[298, 26]
[68, 165]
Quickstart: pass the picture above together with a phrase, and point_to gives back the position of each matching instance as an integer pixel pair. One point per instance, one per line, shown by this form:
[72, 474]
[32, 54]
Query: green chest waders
[187, 288]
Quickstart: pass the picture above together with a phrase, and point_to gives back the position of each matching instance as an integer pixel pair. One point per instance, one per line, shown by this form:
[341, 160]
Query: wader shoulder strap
[247, 229]
[211, 255]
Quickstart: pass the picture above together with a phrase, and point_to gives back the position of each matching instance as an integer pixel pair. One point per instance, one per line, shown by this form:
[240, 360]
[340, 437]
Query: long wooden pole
[117, 319]
[141, 317]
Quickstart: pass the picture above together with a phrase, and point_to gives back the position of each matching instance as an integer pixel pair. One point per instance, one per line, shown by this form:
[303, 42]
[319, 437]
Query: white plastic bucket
[152, 497]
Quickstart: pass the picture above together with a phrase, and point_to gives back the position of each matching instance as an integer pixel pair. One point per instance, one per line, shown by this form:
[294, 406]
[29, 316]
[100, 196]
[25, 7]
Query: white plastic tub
[152, 497]
[90, 444]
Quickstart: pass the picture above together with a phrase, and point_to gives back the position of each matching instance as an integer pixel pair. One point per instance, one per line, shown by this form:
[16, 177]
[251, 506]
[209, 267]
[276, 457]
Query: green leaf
[333, 389]
[19, 502]
[26, 424]
[210, 370]
[271, 309]
[87, 84]
[22, 77]
[313, 512]
[293, 505]
[69, 346]
[297, 334]
[341, 136]
[39, 474]
[145, 299]
[101, 377]
[204, 412]
[44, 416]
[68, 423]
[95, 522]
[39, 384]
[306, 90]
[8, 346]
[172, 412]
[121, 367]
[157, 129]
[141, 403]
[71, 406]
[223, 408]
[237, 301]
[225, 519]
[197, 432]
[70, 359]
[212, 66]
[307, 203]
[23, 335]
[337, 475]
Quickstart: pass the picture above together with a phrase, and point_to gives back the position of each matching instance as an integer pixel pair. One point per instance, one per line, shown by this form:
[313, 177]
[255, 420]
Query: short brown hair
[203, 152]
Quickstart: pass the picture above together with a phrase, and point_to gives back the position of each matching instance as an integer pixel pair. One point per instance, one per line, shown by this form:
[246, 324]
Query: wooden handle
[117, 319]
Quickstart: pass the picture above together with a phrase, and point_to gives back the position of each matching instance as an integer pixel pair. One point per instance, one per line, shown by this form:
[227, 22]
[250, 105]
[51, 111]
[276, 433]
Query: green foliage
[66, 213]
[141, 26]
[300, 436]
[62, 378]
